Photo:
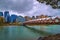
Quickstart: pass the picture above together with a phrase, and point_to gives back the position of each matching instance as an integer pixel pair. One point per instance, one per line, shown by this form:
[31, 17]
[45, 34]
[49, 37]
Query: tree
[1, 20]
[53, 3]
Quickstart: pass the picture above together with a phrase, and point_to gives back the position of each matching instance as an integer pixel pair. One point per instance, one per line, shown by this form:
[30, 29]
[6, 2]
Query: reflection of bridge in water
[42, 21]
[42, 32]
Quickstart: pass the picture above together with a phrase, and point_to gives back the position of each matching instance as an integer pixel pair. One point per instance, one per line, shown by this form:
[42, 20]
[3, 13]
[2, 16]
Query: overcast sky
[27, 8]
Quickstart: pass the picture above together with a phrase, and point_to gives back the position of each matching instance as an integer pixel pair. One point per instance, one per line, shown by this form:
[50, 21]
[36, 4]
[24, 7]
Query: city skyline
[27, 8]
[8, 13]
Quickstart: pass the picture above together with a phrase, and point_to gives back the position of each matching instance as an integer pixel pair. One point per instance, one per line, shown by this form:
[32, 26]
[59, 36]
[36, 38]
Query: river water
[27, 32]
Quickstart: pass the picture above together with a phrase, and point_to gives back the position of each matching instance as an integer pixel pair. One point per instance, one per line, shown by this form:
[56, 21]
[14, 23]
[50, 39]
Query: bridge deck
[39, 21]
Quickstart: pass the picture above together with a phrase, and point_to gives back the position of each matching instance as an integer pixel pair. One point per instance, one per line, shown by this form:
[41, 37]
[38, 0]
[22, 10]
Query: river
[27, 32]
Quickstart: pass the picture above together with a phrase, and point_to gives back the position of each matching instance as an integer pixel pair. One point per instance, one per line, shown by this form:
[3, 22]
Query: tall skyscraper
[6, 13]
[7, 16]
[13, 18]
[1, 13]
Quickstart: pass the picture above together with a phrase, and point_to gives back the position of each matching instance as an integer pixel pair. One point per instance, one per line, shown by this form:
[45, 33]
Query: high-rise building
[27, 18]
[6, 13]
[7, 16]
[33, 17]
[13, 18]
[37, 17]
[43, 16]
[1, 13]
[20, 19]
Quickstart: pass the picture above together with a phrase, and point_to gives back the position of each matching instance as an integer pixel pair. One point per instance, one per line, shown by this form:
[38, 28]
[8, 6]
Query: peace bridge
[54, 20]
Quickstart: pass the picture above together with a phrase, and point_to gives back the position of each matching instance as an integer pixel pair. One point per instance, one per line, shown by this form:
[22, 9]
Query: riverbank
[19, 24]
[51, 37]
[40, 24]
[10, 24]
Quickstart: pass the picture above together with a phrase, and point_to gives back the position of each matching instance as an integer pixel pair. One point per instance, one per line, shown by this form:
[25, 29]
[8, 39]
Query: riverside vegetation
[3, 23]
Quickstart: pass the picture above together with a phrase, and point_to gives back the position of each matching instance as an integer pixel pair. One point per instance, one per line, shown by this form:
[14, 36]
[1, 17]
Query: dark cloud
[16, 5]
[28, 7]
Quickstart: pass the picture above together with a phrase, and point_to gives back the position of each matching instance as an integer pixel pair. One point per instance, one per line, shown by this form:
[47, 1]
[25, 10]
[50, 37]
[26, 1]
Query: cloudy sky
[27, 8]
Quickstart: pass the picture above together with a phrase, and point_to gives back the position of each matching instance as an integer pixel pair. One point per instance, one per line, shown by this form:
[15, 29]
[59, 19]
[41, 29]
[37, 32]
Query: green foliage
[1, 20]
[53, 3]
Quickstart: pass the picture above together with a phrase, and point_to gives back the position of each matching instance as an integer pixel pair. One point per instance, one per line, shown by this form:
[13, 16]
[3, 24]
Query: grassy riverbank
[9, 24]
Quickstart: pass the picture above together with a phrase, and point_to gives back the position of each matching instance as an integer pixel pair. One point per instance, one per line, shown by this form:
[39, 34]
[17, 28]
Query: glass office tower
[13, 18]
[1, 13]
[7, 16]
[20, 19]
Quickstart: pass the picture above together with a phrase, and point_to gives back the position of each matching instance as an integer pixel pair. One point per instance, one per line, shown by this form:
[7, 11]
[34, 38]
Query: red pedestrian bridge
[42, 21]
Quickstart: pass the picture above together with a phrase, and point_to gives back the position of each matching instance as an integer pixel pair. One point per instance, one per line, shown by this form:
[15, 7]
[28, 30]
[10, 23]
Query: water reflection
[41, 32]
[26, 32]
